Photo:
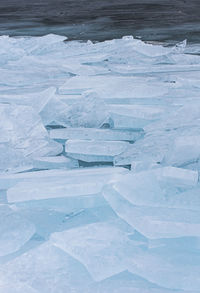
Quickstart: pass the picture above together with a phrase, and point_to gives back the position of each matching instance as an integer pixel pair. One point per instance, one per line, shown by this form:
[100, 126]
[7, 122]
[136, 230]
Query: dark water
[161, 20]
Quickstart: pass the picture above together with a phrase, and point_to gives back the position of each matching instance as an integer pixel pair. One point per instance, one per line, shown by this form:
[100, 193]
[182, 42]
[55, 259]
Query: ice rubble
[70, 223]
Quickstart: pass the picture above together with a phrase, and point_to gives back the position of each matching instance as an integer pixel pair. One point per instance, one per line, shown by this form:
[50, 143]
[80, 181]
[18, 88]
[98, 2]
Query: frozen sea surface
[99, 166]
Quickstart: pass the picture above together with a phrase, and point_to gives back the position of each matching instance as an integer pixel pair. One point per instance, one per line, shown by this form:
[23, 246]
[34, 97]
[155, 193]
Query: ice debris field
[99, 166]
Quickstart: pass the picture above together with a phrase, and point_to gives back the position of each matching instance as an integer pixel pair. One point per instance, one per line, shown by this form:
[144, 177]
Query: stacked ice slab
[99, 166]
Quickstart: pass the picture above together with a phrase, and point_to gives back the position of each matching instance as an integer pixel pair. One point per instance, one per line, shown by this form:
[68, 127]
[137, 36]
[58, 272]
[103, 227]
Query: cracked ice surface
[99, 166]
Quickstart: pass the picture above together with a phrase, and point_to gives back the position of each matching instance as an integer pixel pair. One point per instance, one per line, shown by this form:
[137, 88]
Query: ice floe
[99, 166]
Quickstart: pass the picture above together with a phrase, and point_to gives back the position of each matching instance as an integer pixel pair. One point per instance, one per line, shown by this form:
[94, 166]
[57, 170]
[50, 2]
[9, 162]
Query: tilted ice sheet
[15, 230]
[126, 282]
[57, 162]
[93, 151]
[46, 268]
[154, 222]
[162, 187]
[97, 134]
[111, 86]
[23, 136]
[10, 179]
[171, 268]
[80, 189]
[102, 247]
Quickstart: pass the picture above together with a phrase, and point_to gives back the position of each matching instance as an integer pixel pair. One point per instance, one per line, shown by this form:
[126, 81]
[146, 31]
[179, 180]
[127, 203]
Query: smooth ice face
[102, 247]
[160, 187]
[8, 180]
[15, 230]
[126, 282]
[97, 134]
[79, 189]
[115, 87]
[90, 111]
[172, 268]
[58, 162]
[23, 135]
[17, 287]
[186, 150]
[93, 151]
[46, 269]
[36, 100]
[178, 176]
[154, 222]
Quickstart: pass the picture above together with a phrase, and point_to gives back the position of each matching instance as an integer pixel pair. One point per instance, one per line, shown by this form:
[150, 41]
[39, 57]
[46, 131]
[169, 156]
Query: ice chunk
[93, 151]
[141, 188]
[158, 188]
[75, 189]
[90, 111]
[177, 269]
[185, 150]
[126, 282]
[54, 112]
[130, 116]
[23, 133]
[97, 134]
[111, 86]
[102, 247]
[15, 231]
[179, 176]
[154, 222]
[144, 164]
[57, 162]
[17, 287]
[39, 45]
[181, 118]
[10, 179]
[152, 147]
[36, 100]
[46, 269]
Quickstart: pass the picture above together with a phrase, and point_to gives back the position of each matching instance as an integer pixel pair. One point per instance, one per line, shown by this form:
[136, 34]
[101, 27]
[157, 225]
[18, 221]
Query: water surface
[98, 20]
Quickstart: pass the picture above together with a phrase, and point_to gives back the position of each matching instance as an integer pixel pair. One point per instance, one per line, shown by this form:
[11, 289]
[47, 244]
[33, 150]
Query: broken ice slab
[111, 87]
[57, 162]
[159, 188]
[54, 112]
[15, 287]
[144, 164]
[103, 248]
[69, 99]
[23, 137]
[10, 179]
[127, 282]
[152, 147]
[90, 111]
[154, 222]
[46, 269]
[141, 189]
[57, 195]
[177, 269]
[180, 118]
[94, 151]
[156, 69]
[72, 190]
[37, 100]
[185, 150]
[96, 134]
[179, 176]
[15, 230]
[133, 116]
